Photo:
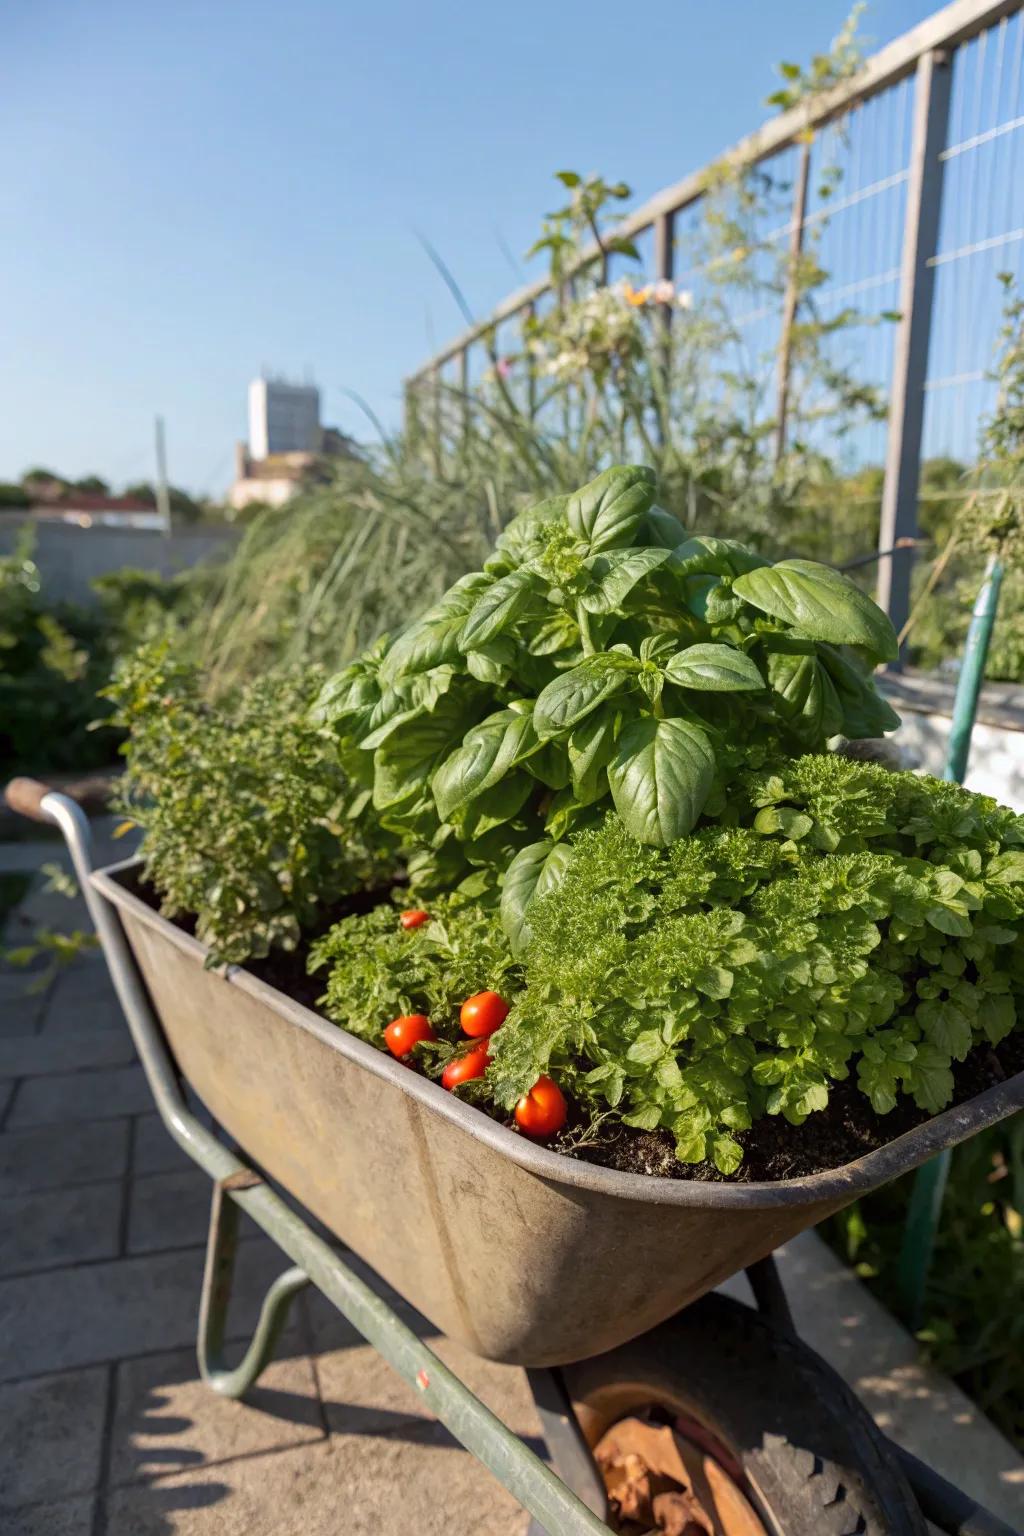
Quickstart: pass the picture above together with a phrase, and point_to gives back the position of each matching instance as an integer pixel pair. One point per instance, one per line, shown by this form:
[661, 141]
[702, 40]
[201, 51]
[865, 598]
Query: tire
[789, 1430]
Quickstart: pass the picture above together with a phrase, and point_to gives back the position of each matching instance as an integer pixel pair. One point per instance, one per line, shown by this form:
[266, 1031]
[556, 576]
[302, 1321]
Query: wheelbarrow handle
[26, 796]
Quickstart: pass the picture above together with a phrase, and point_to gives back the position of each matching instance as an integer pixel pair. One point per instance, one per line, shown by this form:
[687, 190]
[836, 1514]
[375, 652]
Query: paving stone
[37, 1159]
[356, 1486]
[168, 1420]
[37, 1055]
[83, 998]
[20, 1008]
[108, 1311]
[363, 1395]
[44, 908]
[169, 1210]
[330, 1330]
[65, 1411]
[156, 1151]
[59, 1226]
[68, 1517]
[68, 1096]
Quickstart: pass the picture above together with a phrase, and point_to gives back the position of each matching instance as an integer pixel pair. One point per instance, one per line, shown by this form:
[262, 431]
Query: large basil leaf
[807, 700]
[661, 529]
[716, 668]
[554, 634]
[822, 603]
[616, 574]
[487, 754]
[493, 663]
[405, 764]
[433, 641]
[865, 712]
[494, 806]
[590, 749]
[534, 871]
[351, 692]
[660, 777]
[704, 555]
[608, 512]
[496, 609]
[550, 765]
[576, 693]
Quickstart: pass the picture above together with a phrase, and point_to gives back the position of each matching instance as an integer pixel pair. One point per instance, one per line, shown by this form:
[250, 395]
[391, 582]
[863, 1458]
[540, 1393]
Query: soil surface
[772, 1149]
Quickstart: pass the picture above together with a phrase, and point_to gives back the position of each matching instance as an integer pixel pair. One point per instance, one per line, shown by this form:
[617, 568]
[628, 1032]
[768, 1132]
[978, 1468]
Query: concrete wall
[996, 763]
[69, 557]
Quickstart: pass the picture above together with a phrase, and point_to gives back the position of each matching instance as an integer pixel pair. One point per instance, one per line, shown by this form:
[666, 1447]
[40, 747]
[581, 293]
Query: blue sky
[194, 190]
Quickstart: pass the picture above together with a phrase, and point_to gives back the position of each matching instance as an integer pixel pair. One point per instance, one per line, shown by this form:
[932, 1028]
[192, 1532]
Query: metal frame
[570, 1503]
[924, 53]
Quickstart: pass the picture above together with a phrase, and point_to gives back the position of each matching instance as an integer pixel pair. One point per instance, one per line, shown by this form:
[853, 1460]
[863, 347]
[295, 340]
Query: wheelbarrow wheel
[719, 1423]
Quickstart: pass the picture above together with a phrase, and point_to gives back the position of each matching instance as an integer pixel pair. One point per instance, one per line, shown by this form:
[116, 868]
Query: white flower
[663, 291]
[684, 298]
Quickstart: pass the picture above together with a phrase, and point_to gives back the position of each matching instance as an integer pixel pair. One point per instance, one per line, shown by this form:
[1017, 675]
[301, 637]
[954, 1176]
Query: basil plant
[600, 658]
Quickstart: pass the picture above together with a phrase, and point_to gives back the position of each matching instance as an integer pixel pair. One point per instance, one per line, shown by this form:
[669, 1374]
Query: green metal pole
[930, 1182]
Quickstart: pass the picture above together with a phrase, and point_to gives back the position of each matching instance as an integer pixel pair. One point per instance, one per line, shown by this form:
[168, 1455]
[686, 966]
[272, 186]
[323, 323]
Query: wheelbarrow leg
[221, 1247]
[570, 1455]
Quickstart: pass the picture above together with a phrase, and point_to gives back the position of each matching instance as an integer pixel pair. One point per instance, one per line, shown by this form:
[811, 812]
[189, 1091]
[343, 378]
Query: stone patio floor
[106, 1430]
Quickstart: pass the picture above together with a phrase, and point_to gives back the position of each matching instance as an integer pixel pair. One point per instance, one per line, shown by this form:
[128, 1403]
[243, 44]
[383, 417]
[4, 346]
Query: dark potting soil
[772, 1149]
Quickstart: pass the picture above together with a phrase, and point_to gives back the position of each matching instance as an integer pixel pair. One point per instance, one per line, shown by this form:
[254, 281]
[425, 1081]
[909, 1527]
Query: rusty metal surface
[658, 1479]
[525, 1256]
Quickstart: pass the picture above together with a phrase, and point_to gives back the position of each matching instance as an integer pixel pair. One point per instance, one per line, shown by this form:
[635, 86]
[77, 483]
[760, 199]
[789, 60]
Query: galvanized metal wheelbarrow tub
[525, 1256]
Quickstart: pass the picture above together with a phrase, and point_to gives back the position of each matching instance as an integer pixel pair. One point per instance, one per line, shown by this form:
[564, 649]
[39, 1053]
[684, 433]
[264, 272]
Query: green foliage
[825, 71]
[56, 657]
[973, 1322]
[51, 663]
[831, 918]
[599, 656]
[377, 971]
[242, 805]
[828, 919]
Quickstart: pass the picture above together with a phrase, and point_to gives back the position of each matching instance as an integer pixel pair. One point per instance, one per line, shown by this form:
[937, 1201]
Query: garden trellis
[927, 207]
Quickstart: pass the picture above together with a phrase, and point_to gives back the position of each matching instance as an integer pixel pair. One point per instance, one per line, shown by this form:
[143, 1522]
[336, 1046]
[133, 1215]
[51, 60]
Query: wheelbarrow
[664, 1406]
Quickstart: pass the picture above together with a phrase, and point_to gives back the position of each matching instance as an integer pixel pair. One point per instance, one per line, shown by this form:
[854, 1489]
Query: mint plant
[600, 658]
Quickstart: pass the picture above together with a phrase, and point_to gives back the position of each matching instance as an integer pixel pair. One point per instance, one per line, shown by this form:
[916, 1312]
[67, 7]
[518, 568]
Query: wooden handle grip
[26, 797]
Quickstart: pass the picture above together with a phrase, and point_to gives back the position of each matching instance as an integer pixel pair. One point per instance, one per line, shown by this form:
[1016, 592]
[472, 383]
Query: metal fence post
[910, 361]
[796, 245]
[529, 315]
[664, 271]
[464, 391]
[437, 383]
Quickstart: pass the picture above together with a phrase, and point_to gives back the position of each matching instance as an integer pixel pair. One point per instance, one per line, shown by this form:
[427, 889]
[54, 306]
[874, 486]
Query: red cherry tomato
[462, 1069]
[414, 919]
[402, 1034]
[483, 1013]
[542, 1111]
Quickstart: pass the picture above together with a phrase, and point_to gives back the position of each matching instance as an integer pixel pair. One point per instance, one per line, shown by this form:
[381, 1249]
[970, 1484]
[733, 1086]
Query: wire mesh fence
[901, 191]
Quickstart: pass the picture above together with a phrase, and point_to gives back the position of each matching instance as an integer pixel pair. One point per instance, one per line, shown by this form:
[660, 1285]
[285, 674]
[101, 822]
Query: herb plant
[241, 806]
[600, 658]
[832, 918]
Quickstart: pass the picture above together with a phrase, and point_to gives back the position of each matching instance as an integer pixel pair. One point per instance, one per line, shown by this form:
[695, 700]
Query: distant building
[88, 509]
[287, 448]
[273, 480]
[283, 418]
